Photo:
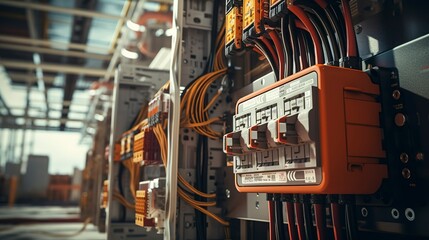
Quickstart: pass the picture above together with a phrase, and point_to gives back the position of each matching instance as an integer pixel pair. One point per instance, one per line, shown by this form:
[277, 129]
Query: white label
[297, 85]
[310, 176]
[265, 177]
[272, 94]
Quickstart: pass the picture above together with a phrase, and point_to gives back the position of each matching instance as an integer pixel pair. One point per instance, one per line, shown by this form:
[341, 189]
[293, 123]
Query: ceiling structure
[50, 54]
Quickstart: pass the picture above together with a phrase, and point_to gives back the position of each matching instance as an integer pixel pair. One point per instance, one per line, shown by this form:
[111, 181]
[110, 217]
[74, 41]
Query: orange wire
[313, 33]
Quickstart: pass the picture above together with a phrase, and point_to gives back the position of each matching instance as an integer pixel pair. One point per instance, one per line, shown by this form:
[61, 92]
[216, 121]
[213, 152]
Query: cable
[319, 214]
[299, 217]
[293, 40]
[195, 202]
[116, 195]
[308, 218]
[336, 222]
[279, 217]
[286, 45]
[290, 216]
[271, 217]
[350, 33]
[280, 51]
[313, 33]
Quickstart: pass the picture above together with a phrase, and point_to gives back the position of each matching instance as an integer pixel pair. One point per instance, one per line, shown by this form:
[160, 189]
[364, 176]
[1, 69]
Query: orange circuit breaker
[317, 131]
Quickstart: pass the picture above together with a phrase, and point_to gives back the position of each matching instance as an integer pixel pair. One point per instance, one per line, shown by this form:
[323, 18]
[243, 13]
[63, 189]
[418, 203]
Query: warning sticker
[265, 177]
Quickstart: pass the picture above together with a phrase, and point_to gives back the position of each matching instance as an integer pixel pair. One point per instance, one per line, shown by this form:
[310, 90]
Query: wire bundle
[312, 32]
[194, 107]
[185, 186]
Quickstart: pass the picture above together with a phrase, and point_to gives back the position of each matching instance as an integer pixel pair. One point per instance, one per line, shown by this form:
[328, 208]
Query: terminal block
[233, 26]
[317, 131]
[150, 204]
[146, 147]
[141, 206]
[127, 145]
[158, 108]
[254, 12]
[278, 8]
[138, 146]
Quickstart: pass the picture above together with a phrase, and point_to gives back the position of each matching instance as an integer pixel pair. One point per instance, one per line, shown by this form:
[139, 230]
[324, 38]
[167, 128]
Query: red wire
[350, 33]
[291, 221]
[271, 49]
[320, 226]
[313, 33]
[300, 220]
[300, 25]
[280, 51]
[336, 222]
[271, 220]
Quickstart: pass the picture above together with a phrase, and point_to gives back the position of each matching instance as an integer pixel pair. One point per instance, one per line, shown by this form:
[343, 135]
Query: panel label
[310, 176]
[264, 177]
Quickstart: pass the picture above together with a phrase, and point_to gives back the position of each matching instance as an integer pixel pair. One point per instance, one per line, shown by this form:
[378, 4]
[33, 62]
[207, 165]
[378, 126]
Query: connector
[233, 26]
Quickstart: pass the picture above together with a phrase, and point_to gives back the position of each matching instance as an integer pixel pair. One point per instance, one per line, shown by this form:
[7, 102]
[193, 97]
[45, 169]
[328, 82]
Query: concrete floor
[44, 231]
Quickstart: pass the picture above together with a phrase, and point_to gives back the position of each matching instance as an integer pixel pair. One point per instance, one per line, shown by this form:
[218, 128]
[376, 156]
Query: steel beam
[62, 120]
[51, 51]
[56, 9]
[53, 44]
[49, 67]
[41, 128]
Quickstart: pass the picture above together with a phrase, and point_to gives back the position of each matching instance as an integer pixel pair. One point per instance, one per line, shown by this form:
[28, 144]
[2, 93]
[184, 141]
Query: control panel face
[274, 132]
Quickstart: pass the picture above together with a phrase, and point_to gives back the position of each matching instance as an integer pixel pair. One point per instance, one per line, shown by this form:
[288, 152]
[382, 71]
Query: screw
[364, 212]
[227, 193]
[420, 156]
[400, 119]
[185, 61]
[396, 94]
[187, 224]
[403, 157]
[406, 173]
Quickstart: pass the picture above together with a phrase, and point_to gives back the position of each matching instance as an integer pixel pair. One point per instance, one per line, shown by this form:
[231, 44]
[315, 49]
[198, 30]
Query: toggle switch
[282, 131]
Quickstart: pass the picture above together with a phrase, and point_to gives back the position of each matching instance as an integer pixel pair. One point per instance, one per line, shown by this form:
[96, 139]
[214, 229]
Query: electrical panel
[276, 120]
[303, 133]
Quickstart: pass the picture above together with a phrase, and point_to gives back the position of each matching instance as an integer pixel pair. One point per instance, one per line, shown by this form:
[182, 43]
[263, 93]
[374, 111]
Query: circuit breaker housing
[317, 131]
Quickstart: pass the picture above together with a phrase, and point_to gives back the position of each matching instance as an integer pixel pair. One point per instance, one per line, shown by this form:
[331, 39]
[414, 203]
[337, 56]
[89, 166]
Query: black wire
[198, 184]
[268, 56]
[336, 19]
[121, 189]
[287, 47]
[214, 34]
[310, 46]
[308, 219]
[326, 24]
[280, 232]
[351, 228]
[315, 19]
[293, 39]
[303, 50]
